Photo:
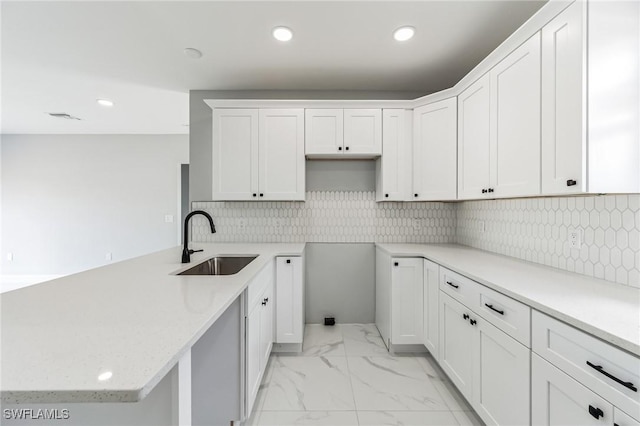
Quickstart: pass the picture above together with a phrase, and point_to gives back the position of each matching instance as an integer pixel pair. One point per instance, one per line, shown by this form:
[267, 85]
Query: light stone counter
[133, 319]
[606, 310]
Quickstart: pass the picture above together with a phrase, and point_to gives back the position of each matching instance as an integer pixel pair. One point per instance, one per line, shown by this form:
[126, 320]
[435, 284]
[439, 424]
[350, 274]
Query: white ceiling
[62, 56]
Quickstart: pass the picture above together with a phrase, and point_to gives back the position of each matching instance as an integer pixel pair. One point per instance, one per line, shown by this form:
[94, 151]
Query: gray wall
[340, 282]
[68, 200]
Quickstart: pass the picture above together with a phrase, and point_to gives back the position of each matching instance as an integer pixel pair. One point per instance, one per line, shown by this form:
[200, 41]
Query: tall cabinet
[591, 99]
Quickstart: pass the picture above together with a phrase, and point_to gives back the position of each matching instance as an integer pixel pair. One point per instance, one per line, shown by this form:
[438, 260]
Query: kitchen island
[115, 335]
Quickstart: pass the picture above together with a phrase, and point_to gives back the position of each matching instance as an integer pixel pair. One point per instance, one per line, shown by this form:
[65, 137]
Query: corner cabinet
[591, 99]
[343, 133]
[258, 154]
[499, 129]
[435, 151]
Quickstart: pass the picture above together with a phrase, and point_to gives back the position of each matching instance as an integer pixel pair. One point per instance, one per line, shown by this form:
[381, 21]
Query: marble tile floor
[345, 377]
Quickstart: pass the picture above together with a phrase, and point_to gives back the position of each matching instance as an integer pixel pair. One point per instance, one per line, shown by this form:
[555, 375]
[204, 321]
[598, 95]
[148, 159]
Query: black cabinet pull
[490, 190]
[339, 148]
[473, 322]
[494, 309]
[595, 412]
[484, 191]
[255, 195]
[262, 195]
[264, 302]
[465, 316]
[599, 369]
[452, 284]
[346, 148]
[288, 260]
[395, 263]
[415, 195]
[571, 182]
[386, 195]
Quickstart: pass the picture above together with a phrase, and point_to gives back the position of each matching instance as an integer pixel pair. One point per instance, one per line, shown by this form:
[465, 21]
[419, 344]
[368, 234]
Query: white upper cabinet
[334, 133]
[515, 122]
[282, 162]
[473, 140]
[235, 154]
[258, 154]
[499, 128]
[591, 99]
[434, 151]
[393, 178]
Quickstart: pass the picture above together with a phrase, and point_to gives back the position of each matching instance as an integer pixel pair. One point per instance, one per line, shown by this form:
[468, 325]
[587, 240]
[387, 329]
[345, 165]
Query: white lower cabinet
[557, 399]
[430, 305]
[620, 418]
[289, 300]
[259, 332]
[406, 301]
[490, 368]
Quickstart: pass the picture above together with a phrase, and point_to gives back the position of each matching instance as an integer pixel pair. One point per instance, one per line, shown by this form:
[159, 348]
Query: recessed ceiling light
[404, 33]
[282, 33]
[192, 53]
[104, 102]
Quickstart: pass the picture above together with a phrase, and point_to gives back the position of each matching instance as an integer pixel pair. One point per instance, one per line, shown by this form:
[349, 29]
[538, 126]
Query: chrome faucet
[186, 253]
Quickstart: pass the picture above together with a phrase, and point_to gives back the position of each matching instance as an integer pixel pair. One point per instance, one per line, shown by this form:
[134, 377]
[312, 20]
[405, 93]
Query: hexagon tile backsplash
[537, 230]
[533, 229]
[328, 216]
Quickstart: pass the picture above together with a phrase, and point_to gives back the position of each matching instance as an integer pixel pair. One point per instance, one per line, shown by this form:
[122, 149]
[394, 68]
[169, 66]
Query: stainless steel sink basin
[221, 265]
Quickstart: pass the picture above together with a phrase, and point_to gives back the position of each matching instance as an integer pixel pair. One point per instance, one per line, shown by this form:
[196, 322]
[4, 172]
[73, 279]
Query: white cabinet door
[289, 300]
[563, 104]
[435, 151]
[253, 354]
[323, 131]
[515, 124]
[431, 305]
[559, 400]
[266, 325]
[457, 342]
[502, 379]
[406, 301]
[281, 154]
[363, 131]
[621, 418]
[473, 140]
[392, 171]
[235, 154]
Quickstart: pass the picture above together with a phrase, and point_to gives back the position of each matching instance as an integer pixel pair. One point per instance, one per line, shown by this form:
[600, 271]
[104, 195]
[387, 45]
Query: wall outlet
[575, 238]
[481, 226]
[242, 225]
[168, 218]
[417, 224]
[108, 257]
[10, 257]
[277, 224]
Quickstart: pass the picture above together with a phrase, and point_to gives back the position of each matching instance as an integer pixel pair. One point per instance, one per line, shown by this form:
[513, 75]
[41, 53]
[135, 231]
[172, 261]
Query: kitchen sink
[220, 265]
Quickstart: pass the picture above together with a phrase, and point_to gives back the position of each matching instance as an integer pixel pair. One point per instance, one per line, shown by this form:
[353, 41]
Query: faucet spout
[186, 252]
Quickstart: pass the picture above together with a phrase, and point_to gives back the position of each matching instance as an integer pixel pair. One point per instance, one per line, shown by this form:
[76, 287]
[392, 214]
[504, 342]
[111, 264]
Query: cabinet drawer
[610, 372]
[510, 316]
[459, 287]
[623, 419]
[258, 285]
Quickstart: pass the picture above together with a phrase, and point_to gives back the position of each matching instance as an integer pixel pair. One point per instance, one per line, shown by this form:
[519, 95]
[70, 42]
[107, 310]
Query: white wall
[68, 200]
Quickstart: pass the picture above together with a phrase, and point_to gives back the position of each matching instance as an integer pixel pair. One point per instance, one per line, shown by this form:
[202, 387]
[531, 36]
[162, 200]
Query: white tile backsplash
[327, 216]
[537, 230]
[533, 229]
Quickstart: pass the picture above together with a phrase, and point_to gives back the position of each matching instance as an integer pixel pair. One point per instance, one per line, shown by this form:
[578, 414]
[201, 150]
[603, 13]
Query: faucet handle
[195, 251]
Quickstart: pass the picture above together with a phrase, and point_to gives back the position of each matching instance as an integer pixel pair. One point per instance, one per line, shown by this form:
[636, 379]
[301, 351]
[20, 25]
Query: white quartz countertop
[606, 310]
[133, 319]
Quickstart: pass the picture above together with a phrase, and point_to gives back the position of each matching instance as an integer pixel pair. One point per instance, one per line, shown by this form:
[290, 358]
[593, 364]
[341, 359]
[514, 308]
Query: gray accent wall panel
[340, 282]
